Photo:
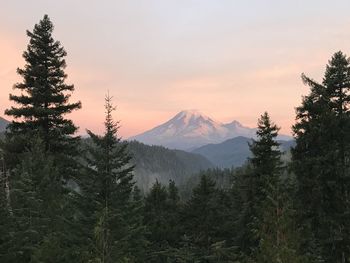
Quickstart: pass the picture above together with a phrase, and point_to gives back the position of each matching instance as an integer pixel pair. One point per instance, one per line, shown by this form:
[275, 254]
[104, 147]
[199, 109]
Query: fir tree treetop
[44, 100]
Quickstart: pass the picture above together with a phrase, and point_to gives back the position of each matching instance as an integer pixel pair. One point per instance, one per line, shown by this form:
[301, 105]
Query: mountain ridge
[3, 124]
[190, 129]
[233, 152]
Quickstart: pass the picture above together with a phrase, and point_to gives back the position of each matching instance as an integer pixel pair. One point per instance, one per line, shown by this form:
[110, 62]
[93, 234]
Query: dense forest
[62, 200]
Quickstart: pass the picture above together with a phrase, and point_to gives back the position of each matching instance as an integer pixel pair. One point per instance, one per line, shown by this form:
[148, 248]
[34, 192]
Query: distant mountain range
[191, 129]
[233, 152]
[3, 124]
[188, 128]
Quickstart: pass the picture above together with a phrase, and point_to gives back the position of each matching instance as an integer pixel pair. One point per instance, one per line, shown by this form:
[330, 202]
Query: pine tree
[321, 163]
[266, 154]
[278, 233]
[174, 197]
[137, 230]
[266, 165]
[156, 221]
[30, 220]
[39, 148]
[5, 212]
[108, 195]
[312, 144]
[201, 213]
[337, 83]
[253, 183]
[173, 214]
[44, 95]
[264, 221]
[36, 196]
[204, 221]
[242, 194]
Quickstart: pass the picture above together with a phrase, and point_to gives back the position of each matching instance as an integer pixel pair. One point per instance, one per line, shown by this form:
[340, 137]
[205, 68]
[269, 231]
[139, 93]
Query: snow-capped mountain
[190, 129]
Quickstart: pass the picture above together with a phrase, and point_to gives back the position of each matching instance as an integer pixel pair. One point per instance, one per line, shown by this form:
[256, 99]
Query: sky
[231, 60]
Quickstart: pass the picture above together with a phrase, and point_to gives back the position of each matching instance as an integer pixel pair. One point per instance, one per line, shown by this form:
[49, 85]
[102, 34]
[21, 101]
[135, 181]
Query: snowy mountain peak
[191, 115]
[192, 112]
[234, 124]
[191, 128]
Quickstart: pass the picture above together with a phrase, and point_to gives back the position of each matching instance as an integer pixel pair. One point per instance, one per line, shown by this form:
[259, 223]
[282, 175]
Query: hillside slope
[158, 163]
[3, 124]
[233, 152]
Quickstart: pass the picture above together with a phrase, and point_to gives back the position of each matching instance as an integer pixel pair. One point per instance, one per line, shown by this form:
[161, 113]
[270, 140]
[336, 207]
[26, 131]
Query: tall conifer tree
[265, 225]
[39, 147]
[321, 163]
[44, 98]
[5, 212]
[265, 167]
[204, 221]
[156, 221]
[38, 214]
[108, 195]
[162, 219]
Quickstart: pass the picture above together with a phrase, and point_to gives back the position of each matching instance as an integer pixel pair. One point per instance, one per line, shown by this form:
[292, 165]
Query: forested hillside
[234, 152]
[156, 163]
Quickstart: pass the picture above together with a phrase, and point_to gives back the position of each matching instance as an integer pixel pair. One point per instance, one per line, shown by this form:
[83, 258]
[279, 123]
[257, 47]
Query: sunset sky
[228, 59]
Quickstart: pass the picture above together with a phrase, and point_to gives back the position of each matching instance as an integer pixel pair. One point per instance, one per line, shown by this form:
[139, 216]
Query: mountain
[158, 163]
[233, 152]
[3, 124]
[190, 129]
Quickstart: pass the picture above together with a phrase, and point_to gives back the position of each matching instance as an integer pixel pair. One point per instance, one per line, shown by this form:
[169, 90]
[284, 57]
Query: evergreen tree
[44, 99]
[266, 160]
[242, 194]
[137, 229]
[107, 191]
[201, 211]
[37, 213]
[26, 235]
[266, 168]
[278, 233]
[173, 214]
[312, 145]
[264, 221]
[38, 148]
[204, 222]
[5, 212]
[254, 182]
[321, 163]
[158, 226]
